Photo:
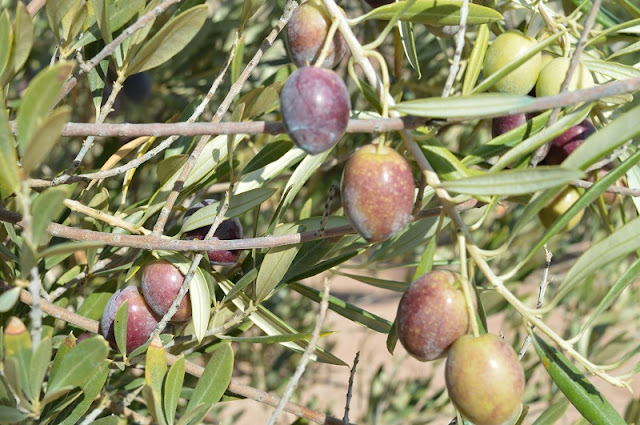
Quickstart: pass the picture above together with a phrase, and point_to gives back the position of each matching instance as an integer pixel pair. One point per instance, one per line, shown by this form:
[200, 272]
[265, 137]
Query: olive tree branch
[151, 242]
[455, 64]
[191, 368]
[473, 250]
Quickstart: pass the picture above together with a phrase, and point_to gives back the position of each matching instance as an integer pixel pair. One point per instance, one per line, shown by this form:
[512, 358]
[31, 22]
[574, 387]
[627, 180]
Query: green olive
[503, 50]
[558, 206]
[554, 73]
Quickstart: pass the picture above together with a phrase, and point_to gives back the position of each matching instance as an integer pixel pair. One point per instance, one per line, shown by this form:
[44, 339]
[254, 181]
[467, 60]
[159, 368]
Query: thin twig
[151, 242]
[306, 356]
[34, 6]
[352, 376]
[543, 289]
[191, 368]
[455, 64]
[377, 125]
[540, 154]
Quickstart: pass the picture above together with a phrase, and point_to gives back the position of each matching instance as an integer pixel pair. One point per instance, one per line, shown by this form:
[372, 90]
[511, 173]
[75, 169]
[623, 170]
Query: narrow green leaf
[408, 39]
[323, 266]
[45, 138]
[632, 48]
[73, 23]
[426, 261]
[580, 392]
[269, 153]
[169, 167]
[55, 12]
[120, 12]
[605, 140]
[64, 349]
[101, 10]
[276, 263]
[120, 327]
[476, 59]
[617, 245]
[414, 235]
[38, 100]
[90, 391]
[79, 363]
[109, 420]
[46, 208]
[249, 8]
[155, 367]
[154, 404]
[273, 339]
[261, 176]
[215, 379]
[5, 41]
[345, 309]
[172, 387]
[9, 179]
[435, 12]
[513, 182]
[614, 70]
[200, 303]
[39, 366]
[8, 299]
[477, 106]
[70, 247]
[238, 205]
[377, 282]
[170, 40]
[11, 415]
[240, 285]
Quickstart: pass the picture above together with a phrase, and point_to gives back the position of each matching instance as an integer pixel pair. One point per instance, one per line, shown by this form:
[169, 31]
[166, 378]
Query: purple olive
[507, 123]
[315, 108]
[562, 146]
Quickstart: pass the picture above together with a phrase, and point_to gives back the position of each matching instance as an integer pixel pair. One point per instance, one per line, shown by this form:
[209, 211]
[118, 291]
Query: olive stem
[466, 286]
[327, 43]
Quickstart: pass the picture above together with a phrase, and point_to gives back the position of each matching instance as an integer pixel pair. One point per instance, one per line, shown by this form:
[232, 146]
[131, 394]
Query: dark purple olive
[562, 146]
[507, 123]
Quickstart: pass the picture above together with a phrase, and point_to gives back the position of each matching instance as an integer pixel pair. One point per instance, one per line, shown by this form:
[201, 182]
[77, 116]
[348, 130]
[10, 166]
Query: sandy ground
[328, 384]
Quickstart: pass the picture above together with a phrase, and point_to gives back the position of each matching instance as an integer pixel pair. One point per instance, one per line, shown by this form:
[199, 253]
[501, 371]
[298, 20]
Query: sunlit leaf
[435, 12]
[580, 392]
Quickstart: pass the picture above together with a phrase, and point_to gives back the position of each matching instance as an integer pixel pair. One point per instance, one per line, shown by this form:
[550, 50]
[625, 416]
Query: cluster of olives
[484, 377]
[160, 284]
[543, 75]
[377, 187]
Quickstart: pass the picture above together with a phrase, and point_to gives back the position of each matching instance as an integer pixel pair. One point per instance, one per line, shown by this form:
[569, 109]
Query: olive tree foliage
[88, 199]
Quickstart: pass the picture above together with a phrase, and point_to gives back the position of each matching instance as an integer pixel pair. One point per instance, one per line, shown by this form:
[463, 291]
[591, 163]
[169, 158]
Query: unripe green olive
[558, 206]
[503, 50]
[554, 73]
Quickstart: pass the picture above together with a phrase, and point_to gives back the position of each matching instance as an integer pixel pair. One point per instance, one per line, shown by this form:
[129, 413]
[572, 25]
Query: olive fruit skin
[306, 33]
[503, 50]
[378, 192]
[562, 146]
[554, 73]
[432, 315]
[315, 107]
[141, 321]
[485, 379]
[161, 282]
[558, 206]
[230, 229]
[137, 87]
[507, 123]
